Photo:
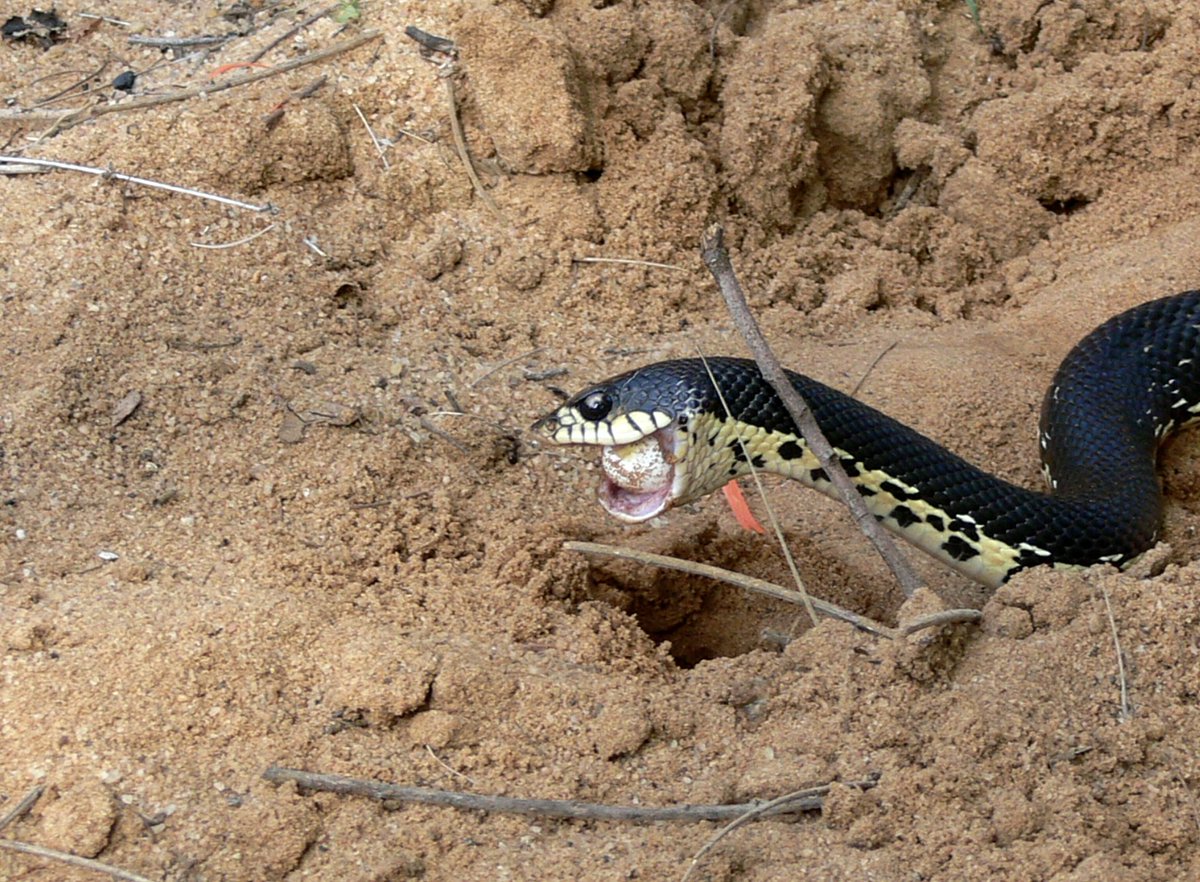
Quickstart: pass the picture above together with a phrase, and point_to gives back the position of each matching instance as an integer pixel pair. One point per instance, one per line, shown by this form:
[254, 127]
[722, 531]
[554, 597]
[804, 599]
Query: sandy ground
[295, 549]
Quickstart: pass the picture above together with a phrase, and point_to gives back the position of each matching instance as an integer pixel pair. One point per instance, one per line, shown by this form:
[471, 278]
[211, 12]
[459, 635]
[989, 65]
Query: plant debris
[43, 28]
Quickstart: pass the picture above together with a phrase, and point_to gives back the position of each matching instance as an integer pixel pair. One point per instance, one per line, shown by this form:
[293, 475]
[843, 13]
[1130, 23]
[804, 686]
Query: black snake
[1123, 389]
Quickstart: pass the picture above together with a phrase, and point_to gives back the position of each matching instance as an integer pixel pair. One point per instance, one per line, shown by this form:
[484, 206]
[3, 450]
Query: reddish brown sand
[291, 553]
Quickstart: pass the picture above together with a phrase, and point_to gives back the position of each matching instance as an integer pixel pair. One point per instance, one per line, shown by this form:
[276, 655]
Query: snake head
[637, 422]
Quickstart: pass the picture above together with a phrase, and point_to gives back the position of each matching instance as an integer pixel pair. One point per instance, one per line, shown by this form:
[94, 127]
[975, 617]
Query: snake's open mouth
[640, 478]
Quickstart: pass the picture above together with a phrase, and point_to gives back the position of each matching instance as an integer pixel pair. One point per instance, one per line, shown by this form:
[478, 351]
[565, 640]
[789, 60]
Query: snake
[674, 431]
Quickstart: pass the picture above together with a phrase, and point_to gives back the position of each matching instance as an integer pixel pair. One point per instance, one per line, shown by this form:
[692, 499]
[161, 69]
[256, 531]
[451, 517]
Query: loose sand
[313, 564]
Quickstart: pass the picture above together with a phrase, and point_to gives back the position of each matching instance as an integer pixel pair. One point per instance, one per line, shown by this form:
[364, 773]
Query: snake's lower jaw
[641, 480]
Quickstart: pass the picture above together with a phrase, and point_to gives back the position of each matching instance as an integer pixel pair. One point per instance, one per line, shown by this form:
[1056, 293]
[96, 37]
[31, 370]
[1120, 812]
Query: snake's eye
[595, 406]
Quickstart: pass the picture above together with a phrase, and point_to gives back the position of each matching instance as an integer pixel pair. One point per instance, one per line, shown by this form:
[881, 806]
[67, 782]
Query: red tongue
[741, 508]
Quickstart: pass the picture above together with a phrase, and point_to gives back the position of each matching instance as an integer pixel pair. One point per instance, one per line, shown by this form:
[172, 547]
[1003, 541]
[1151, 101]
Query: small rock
[291, 429]
[124, 408]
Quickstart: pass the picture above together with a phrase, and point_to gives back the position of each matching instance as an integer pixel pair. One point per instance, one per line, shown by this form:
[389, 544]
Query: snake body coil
[1118, 393]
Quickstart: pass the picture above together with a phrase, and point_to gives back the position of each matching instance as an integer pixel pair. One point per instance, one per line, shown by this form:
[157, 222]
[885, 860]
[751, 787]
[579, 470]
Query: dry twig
[740, 821]
[133, 179]
[801, 801]
[627, 260]
[871, 367]
[502, 365]
[105, 18]
[22, 808]
[444, 435]
[449, 768]
[379, 147]
[1126, 712]
[292, 31]
[941, 617]
[712, 34]
[72, 859]
[236, 242]
[74, 117]
[272, 119]
[63, 93]
[443, 53]
[716, 258]
[748, 583]
[200, 40]
[770, 589]
[433, 47]
[460, 142]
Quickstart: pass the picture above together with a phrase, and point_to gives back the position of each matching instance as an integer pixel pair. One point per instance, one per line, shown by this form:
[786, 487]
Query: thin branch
[236, 242]
[410, 134]
[311, 89]
[801, 801]
[748, 583]
[115, 21]
[133, 179]
[87, 78]
[752, 815]
[460, 144]
[272, 119]
[93, 111]
[431, 44]
[311, 20]
[914, 182]
[449, 768]
[770, 589]
[941, 617]
[444, 435]
[716, 258]
[1126, 713]
[627, 260]
[871, 367]
[19, 810]
[502, 365]
[72, 859]
[443, 53]
[712, 34]
[379, 148]
[180, 42]
[547, 374]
